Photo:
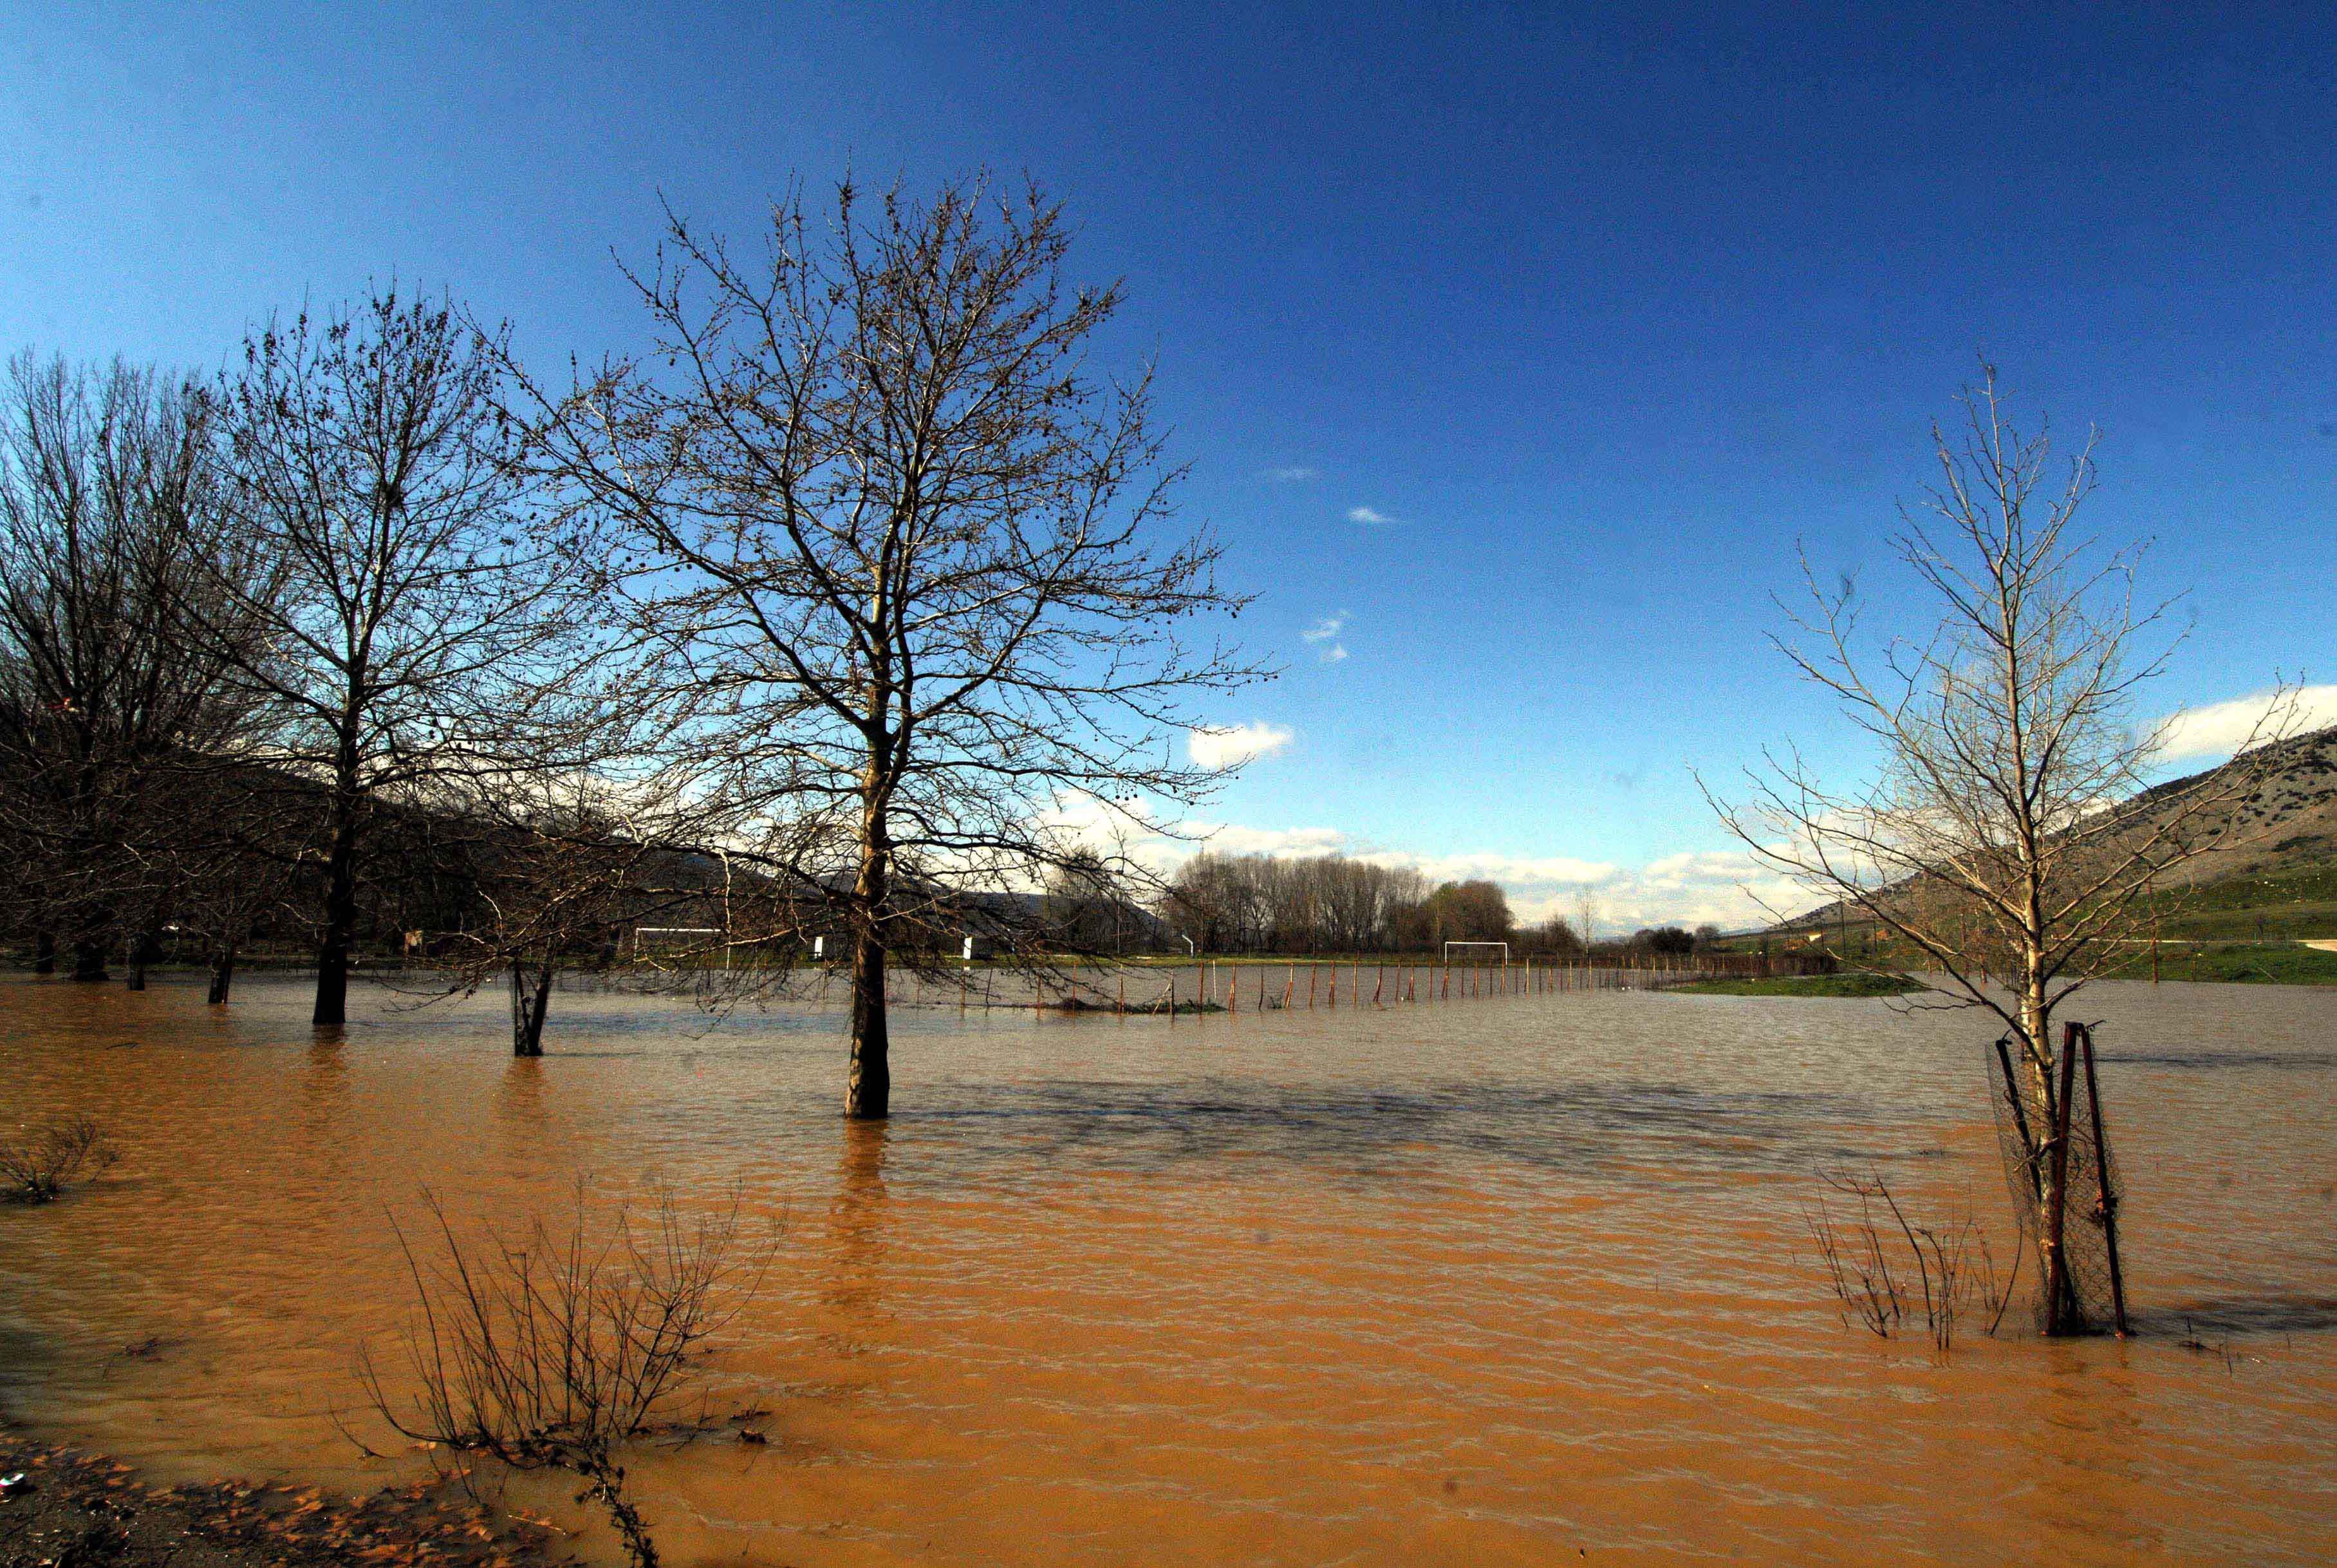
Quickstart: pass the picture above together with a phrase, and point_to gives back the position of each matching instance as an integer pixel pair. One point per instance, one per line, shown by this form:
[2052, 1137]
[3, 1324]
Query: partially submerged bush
[545, 1348]
[38, 1169]
[1886, 1268]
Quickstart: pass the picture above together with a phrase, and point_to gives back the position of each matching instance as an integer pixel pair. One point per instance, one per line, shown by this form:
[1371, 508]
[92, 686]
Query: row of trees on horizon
[1336, 904]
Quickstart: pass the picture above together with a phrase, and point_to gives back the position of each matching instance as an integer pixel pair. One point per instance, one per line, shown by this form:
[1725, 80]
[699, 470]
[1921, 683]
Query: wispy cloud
[1325, 635]
[1295, 474]
[1230, 746]
[2220, 728]
[1369, 516]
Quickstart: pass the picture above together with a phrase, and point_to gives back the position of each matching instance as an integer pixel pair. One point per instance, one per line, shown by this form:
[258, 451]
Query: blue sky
[1601, 315]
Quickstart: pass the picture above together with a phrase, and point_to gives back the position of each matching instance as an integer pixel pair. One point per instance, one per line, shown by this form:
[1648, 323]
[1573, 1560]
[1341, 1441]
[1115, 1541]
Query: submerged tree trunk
[44, 952]
[2050, 1109]
[2061, 1314]
[531, 1003]
[223, 975]
[89, 958]
[868, 1082]
[868, 1079]
[340, 910]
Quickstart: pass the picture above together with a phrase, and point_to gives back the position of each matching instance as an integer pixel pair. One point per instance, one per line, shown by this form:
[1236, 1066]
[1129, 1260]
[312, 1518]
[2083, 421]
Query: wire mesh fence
[2031, 1116]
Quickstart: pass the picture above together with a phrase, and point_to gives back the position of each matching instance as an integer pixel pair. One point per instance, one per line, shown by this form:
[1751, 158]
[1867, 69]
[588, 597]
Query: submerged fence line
[1234, 987]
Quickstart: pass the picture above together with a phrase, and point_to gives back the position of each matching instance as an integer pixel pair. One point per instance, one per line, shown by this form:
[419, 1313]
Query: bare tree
[37, 1168]
[418, 642]
[564, 868]
[110, 533]
[891, 550]
[551, 1347]
[2005, 834]
[245, 870]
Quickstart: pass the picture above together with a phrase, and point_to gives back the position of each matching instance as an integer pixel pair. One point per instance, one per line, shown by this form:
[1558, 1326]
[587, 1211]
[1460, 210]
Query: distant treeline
[1334, 904]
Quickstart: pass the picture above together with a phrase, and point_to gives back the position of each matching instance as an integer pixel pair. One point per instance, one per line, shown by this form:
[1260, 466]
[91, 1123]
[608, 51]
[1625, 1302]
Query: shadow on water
[1583, 1128]
[2273, 1313]
[2205, 1060]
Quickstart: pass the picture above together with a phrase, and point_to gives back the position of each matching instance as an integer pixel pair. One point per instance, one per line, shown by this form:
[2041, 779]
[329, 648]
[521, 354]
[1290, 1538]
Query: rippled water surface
[1506, 1280]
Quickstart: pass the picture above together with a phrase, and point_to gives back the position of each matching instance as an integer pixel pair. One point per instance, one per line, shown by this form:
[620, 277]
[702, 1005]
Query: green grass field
[1808, 985]
[2261, 908]
[2245, 963]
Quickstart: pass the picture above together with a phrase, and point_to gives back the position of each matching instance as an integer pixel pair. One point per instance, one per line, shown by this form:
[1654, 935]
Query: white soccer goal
[1503, 946]
[675, 938]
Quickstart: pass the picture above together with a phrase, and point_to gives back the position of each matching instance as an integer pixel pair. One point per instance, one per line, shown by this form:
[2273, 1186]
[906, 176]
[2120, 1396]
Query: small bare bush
[546, 1348]
[1889, 1272]
[38, 1169]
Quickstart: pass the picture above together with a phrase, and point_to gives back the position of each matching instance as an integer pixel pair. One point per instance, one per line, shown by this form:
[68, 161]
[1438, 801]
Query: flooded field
[1512, 1280]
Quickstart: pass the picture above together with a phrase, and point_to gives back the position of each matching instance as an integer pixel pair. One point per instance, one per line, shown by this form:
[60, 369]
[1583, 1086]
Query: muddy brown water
[1509, 1280]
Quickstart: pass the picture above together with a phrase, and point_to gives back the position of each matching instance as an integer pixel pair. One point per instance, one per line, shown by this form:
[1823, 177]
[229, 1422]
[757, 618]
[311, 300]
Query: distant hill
[2282, 849]
[2289, 828]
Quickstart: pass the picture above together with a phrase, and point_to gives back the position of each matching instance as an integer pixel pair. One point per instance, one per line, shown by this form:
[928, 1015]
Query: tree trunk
[89, 958]
[2061, 1314]
[223, 975]
[531, 1003]
[868, 1080]
[2047, 1115]
[340, 914]
[44, 952]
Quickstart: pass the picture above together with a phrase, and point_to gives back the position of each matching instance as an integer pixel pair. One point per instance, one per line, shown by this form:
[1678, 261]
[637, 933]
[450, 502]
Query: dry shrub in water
[547, 1347]
[1886, 1270]
[37, 1169]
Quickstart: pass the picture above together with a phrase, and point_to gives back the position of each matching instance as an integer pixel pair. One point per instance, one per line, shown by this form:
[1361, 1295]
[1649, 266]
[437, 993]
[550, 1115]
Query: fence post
[2108, 1199]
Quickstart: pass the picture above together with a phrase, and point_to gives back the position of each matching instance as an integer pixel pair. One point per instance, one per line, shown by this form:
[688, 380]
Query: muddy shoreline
[80, 1510]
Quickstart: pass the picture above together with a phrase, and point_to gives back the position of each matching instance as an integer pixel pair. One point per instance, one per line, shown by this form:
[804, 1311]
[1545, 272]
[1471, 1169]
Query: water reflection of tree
[520, 1114]
[328, 1070]
[855, 1235]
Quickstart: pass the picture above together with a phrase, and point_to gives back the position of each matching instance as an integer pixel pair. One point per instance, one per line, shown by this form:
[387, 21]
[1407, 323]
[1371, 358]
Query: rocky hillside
[2287, 828]
[2284, 841]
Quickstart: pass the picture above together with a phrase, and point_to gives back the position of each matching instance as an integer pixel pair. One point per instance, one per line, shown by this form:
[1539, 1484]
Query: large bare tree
[420, 647]
[110, 533]
[2004, 832]
[889, 551]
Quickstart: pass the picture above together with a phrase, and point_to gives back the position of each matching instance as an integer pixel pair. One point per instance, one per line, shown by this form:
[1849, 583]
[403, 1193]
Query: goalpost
[640, 946]
[1502, 980]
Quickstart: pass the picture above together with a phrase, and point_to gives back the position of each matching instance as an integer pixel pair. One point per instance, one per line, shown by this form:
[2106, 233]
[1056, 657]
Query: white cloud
[1230, 746]
[1325, 635]
[2220, 728]
[1298, 474]
[1366, 515]
[1232, 838]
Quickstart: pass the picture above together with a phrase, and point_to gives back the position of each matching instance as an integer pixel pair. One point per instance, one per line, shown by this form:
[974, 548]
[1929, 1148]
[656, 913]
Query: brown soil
[86, 1511]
